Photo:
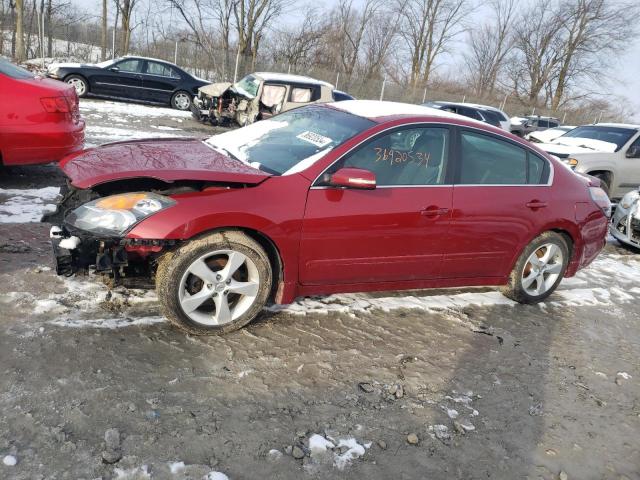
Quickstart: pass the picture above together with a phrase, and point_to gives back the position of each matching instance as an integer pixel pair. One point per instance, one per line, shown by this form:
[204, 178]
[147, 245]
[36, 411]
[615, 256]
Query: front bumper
[77, 252]
[625, 226]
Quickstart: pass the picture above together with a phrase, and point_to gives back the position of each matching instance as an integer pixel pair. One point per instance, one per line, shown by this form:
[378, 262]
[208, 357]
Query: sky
[624, 73]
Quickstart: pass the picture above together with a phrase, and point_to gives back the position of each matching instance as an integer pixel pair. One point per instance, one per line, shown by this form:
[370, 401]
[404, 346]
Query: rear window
[13, 71]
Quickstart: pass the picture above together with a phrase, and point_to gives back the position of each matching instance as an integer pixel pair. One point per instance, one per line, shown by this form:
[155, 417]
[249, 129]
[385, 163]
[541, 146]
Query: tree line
[546, 54]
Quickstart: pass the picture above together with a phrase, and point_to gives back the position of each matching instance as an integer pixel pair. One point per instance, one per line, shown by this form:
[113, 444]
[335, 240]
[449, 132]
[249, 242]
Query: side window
[300, 95]
[132, 65]
[471, 113]
[537, 170]
[543, 123]
[486, 160]
[155, 68]
[415, 156]
[553, 124]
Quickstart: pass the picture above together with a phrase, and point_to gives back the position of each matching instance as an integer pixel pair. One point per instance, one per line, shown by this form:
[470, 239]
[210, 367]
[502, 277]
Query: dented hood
[215, 89]
[163, 159]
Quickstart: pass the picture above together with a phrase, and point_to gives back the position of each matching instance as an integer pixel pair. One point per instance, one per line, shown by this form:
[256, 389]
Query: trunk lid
[164, 159]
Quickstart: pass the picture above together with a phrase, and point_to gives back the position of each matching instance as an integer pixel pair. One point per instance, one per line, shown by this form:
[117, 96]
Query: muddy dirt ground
[405, 385]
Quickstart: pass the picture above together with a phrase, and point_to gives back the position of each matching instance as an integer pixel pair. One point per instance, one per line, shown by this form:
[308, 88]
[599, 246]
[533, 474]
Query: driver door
[395, 232]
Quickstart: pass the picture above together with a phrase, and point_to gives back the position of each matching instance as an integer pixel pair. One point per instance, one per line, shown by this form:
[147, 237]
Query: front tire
[539, 269]
[215, 284]
[79, 83]
[181, 100]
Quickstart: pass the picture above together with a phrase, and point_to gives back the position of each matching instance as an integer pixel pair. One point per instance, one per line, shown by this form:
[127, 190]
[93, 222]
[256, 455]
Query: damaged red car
[345, 197]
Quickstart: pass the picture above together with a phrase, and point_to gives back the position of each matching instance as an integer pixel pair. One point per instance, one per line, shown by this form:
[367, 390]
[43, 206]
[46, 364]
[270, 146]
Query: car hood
[164, 159]
[578, 145]
[215, 89]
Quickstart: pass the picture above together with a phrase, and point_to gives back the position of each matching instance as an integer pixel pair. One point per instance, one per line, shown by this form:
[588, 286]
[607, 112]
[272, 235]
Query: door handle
[433, 211]
[534, 204]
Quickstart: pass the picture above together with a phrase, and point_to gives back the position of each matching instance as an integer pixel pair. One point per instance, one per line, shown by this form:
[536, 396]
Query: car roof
[381, 111]
[470, 105]
[159, 60]
[617, 125]
[290, 78]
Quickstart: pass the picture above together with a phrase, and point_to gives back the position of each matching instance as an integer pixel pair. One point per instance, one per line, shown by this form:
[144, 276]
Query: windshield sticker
[314, 138]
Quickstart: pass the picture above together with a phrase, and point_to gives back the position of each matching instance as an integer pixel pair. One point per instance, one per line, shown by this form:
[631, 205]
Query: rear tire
[539, 269]
[222, 295]
[79, 83]
[181, 100]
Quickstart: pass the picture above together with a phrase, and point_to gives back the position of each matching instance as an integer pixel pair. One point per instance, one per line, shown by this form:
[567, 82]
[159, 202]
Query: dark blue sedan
[139, 79]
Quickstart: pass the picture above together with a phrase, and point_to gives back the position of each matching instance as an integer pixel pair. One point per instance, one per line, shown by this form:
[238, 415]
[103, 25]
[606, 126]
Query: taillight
[56, 104]
[601, 199]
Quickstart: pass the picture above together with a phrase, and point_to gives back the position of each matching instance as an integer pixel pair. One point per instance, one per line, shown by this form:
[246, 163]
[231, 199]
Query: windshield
[248, 86]
[106, 63]
[10, 70]
[291, 141]
[616, 135]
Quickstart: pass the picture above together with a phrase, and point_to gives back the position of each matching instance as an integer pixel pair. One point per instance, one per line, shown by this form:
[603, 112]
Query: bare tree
[126, 8]
[592, 31]
[538, 49]
[252, 19]
[427, 28]
[103, 35]
[489, 45]
[296, 45]
[19, 52]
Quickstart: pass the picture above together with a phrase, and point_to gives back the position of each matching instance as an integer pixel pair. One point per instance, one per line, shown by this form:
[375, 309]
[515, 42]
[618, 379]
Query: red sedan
[39, 118]
[345, 197]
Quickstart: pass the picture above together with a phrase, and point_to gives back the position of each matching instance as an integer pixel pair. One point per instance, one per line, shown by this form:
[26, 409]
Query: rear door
[126, 81]
[396, 232]
[501, 196]
[159, 81]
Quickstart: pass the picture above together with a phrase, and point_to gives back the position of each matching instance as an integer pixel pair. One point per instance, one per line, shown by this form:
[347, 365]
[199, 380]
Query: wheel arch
[563, 230]
[267, 243]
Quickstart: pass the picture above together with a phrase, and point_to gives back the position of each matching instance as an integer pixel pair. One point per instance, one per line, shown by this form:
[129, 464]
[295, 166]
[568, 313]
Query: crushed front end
[92, 236]
[625, 222]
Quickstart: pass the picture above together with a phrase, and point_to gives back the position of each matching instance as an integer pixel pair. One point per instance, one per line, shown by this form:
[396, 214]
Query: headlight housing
[114, 215]
[629, 199]
[572, 162]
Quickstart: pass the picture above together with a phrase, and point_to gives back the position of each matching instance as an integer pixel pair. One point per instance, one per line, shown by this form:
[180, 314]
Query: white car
[609, 151]
[625, 224]
[548, 135]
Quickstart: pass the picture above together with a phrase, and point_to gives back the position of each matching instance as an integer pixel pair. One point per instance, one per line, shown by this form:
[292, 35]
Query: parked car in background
[341, 197]
[258, 96]
[39, 118]
[625, 224]
[522, 126]
[340, 96]
[545, 136]
[483, 113]
[140, 79]
[609, 151]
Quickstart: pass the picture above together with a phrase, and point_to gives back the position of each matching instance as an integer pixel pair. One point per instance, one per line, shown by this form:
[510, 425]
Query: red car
[39, 118]
[344, 197]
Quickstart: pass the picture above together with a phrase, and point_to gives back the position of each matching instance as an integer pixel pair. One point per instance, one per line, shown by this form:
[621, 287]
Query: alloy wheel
[218, 287]
[79, 85]
[542, 269]
[181, 101]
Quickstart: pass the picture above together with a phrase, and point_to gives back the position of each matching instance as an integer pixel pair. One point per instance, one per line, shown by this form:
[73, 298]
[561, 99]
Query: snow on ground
[26, 206]
[97, 135]
[130, 109]
[339, 452]
[85, 297]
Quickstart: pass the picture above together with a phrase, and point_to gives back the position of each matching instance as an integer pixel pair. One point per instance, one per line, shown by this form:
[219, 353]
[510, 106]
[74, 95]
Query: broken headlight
[116, 214]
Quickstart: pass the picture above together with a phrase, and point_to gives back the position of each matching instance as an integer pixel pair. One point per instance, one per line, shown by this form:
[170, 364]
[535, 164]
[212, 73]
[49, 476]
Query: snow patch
[28, 205]
[215, 476]
[175, 467]
[107, 323]
[135, 473]
[10, 461]
[134, 110]
[624, 375]
[327, 449]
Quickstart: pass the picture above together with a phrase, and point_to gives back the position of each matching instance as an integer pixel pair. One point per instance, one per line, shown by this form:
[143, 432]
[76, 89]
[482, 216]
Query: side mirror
[353, 178]
[114, 69]
[633, 152]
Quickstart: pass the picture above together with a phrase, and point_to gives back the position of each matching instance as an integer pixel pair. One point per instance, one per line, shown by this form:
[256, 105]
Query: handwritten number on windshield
[397, 157]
